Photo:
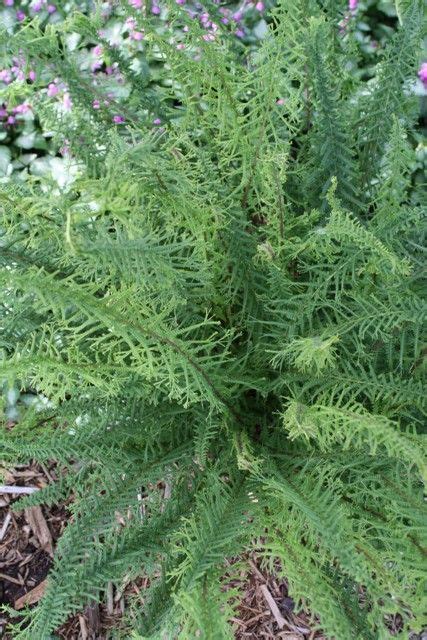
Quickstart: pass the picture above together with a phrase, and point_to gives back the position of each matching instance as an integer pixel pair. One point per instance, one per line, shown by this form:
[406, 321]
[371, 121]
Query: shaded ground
[27, 543]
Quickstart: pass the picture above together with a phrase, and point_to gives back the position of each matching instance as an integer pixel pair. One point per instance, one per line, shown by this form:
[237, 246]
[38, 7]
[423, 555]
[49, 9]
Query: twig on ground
[5, 525]
[273, 606]
[83, 628]
[3, 576]
[38, 524]
[110, 599]
[5, 488]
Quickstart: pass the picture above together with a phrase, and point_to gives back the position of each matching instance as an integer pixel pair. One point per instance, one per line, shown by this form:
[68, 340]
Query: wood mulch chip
[265, 610]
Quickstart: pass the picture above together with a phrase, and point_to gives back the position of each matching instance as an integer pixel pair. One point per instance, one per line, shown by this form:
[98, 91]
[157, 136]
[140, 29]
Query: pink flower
[67, 102]
[11, 120]
[239, 33]
[155, 10]
[118, 119]
[136, 4]
[237, 16]
[157, 121]
[180, 1]
[22, 108]
[3, 112]
[97, 50]
[259, 6]
[352, 4]
[180, 46]
[422, 74]
[51, 8]
[20, 16]
[8, 3]
[52, 90]
[5, 76]
[31, 75]
[37, 6]
[96, 104]
[280, 101]
[137, 35]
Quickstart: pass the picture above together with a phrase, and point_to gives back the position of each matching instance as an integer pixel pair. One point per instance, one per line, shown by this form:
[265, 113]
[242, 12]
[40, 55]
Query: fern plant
[231, 306]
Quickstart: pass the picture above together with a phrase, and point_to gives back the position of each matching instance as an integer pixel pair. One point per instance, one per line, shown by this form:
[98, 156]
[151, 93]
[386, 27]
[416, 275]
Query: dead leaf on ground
[32, 596]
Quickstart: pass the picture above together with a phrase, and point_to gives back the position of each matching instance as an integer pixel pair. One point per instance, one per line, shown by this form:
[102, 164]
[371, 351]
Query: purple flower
[422, 74]
[136, 4]
[155, 10]
[8, 3]
[96, 104]
[237, 16]
[352, 4]
[11, 120]
[20, 16]
[3, 112]
[31, 75]
[239, 33]
[118, 119]
[180, 1]
[259, 6]
[157, 121]
[51, 8]
[97, 50]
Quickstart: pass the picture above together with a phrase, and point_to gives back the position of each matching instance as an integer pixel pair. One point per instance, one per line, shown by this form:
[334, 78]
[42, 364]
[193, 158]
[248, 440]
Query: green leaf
[5, 161]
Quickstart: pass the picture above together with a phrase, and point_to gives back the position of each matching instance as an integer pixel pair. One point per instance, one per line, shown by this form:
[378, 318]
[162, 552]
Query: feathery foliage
[231, 305]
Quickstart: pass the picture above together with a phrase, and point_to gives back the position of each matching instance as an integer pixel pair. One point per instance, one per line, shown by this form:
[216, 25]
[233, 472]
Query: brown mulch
[27, 544]
[265, 609]
[27, 539]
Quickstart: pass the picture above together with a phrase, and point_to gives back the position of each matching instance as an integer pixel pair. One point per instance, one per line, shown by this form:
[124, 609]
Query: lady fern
[230, 304]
